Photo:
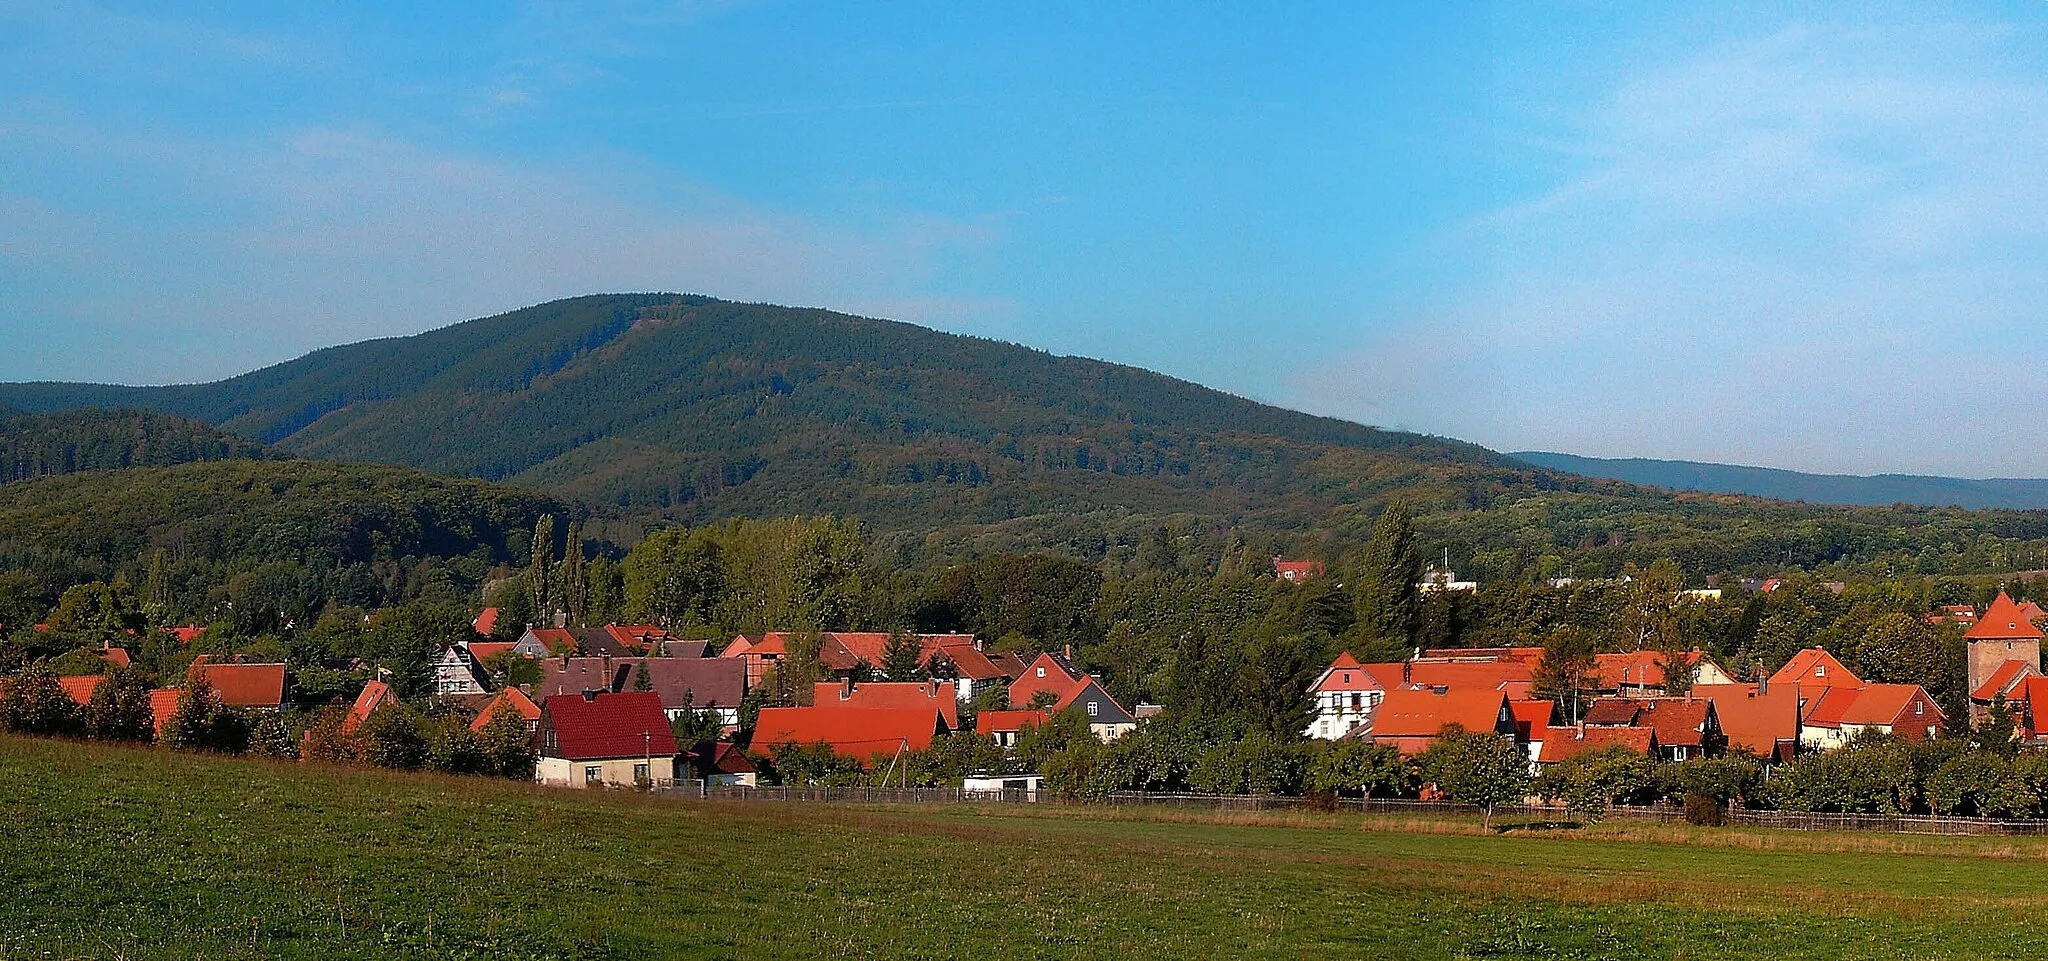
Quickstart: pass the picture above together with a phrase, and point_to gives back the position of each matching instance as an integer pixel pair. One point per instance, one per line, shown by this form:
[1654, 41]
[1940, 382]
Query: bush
[1706, 810]
[391, 737]
[507, 745]
[1591, 781]
[120, 708]
[34, 703]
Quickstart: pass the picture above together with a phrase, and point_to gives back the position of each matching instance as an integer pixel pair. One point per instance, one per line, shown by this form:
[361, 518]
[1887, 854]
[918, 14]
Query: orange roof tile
[1560, 743]
[486, 621]
[1407, 713]
[245, 685]
[1815, 667]
[2003, 680]
[888, 694]
[1885, 704]
[2003, 621]
[1346, 674]
[856, 732]
[1751, 721]
[993, 722]
[1531, 717]
[81, 686]
[509, 699]
[374, 695]
[163, 702]
[118, 657]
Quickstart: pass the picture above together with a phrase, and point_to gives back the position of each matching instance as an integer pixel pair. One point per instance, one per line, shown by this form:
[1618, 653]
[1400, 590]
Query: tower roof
[2004, 621]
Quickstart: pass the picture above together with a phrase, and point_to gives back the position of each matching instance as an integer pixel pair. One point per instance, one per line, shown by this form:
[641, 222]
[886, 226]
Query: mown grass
[113, 853]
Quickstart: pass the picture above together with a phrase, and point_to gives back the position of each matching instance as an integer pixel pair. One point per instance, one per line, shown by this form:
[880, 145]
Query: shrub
[34, 703]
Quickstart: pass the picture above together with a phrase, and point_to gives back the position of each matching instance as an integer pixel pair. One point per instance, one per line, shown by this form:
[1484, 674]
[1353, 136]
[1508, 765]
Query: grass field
[114, 853]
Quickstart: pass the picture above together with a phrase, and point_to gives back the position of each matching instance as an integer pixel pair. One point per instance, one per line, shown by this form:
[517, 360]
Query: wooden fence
[1660, 813]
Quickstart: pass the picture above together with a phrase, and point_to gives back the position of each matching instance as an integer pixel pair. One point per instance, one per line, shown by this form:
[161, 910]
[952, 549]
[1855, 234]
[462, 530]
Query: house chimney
[1407, 673]
[846, 688]
[1068, 650]
[589, 695]
[561, 619]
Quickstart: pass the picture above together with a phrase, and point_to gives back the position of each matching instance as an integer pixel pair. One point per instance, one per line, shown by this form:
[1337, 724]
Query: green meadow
[136, 853]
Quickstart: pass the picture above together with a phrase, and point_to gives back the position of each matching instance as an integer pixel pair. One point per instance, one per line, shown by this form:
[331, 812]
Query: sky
[1801, 236]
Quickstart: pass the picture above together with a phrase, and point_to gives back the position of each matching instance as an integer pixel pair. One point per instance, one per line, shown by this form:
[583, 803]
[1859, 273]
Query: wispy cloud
[1819, 248]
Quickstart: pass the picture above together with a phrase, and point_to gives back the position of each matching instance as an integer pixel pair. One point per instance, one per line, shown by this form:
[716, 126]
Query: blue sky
[1770, 233]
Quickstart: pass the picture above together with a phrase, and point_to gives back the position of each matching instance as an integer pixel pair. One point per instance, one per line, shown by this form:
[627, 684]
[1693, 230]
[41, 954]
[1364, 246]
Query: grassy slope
[141, 854]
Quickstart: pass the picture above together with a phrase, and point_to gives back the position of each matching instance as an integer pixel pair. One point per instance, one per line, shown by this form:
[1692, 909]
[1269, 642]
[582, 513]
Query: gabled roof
[186, 634]
[720, 757]
[558, 640]
[640, 637]
[1046, 673]
[575, 675]
[245, 685]
[1346, 674]
[374, 695]
[700, 682]
[509, 699]
[2034, 694]
[1424, 713]
[483, 649]
[972, 664]
[1613, 712]
[1531, 717]
[486, 621]
[1288, 570]
[2032, 611]
[606, 726]
[857, 732]
[2003, 621]
[843, 650]
[118, 657]
[1884, 704]
[1634, 669]
[2002, 681]
[1751, 721]
[886, 694]
[81, 686]
[1560, 743]
[1815, 667]
[999, 722]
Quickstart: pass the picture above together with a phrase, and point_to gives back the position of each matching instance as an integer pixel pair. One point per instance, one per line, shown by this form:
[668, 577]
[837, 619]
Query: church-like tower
[2002, 635]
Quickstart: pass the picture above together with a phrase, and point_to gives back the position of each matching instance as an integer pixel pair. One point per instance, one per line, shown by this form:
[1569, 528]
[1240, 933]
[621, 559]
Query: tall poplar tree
[539, 573]
[1387, 598]
[575, 590]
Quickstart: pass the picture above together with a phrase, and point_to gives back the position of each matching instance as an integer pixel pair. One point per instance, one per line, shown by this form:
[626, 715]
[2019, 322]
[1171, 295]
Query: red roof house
[81, 686]
[598, 738]
[1007, 726]
[374, 695]
[861, 733]
[912, 694]
[1560, 743]
[486, 621]
[245, 685]
[1294, 572]
[1763, 723]
[1815, 667]
[1410, 719]
[510, 699]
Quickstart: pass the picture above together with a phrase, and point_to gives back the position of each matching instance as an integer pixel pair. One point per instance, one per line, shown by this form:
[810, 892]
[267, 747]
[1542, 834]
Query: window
[1919, 708]
[640, 774]
[1041, 672]
[1094, 708]
[1820, 670]
[1356, 699]
[593, 774]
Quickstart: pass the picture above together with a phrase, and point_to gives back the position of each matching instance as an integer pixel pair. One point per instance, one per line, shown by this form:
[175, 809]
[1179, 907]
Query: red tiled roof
[2034, 693]
[245, 685]
[81, 686]
[882, 694]
[186, 634]
[374, 694]
[2032, 611]
[2003, 680]
[972, 664]
[486, 621]
[163, 702]
[995, 722]
[483, 649]
[844, 650]
[2003, 621]
[118, 657]
[1346, 674]
[1755, 722]
[1529, 654]
[574, 675]
[1425, 713]
[855, 732]
[1457, 675]
[1815, 667]
[629, 724]
[509, 699]
[1613, 712]
[1531, 717]
[1296, 570]
[727, 759]
[1884, 704]
[1633, 669]
[558, 640]
[1560, 743]
[1056, 679]
[639, 637]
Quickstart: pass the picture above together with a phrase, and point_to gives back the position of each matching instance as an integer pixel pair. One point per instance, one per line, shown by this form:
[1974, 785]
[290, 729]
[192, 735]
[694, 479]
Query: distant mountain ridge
[1870, 490]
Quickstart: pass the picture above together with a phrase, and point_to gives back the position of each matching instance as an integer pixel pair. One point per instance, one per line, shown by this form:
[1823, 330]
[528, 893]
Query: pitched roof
[509, 699]
[2003, 680]
[1560, 743]
[1753, 721]
[186, 634]
[2035, 694]
[2032, 611]
[558, 640]
[721, 757]
[1531, 717]
[994, 722]
[862, 733]
[245, 685]
[1346, 674]
[844, 650]
[81, 686]
[1613, 712]
[1047, 673]
[118, 657]
[700, 682]
[886, 694]
[1486, 675]
[639, 637]
[1678, 721]
[486, 621]
[374, 695]
[163, 702]
[1815, 667]
[1884, 704]
[1288, 570]
[1408, 713]
[575, 675]
[972, 664]
[483, 649]
[1634, 668]
[2003, 621]
[630, 724]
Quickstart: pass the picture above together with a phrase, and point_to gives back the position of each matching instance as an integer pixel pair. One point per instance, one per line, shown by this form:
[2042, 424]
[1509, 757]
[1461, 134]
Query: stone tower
[2003, 634]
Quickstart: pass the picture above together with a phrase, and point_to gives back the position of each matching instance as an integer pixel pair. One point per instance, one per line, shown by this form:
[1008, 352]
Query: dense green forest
[67, 442]
[655, 408]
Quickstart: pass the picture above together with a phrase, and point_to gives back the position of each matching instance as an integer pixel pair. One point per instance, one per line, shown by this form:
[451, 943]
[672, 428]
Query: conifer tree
[1387, 599]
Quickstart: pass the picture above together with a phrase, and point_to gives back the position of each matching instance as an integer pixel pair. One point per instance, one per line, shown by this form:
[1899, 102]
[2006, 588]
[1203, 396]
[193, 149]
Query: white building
[1346, 697]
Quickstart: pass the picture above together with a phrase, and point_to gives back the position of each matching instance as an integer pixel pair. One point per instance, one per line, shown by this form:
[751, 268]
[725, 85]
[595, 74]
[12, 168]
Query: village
[637, 707]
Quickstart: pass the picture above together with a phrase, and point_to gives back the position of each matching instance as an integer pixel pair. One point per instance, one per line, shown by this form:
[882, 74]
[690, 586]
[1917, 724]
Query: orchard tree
[1476, 767]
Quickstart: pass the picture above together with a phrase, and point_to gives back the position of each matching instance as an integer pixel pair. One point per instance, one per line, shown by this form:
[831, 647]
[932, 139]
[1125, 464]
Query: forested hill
[702, 408]
[40, 445]
[653, 406]
[2015, 493]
